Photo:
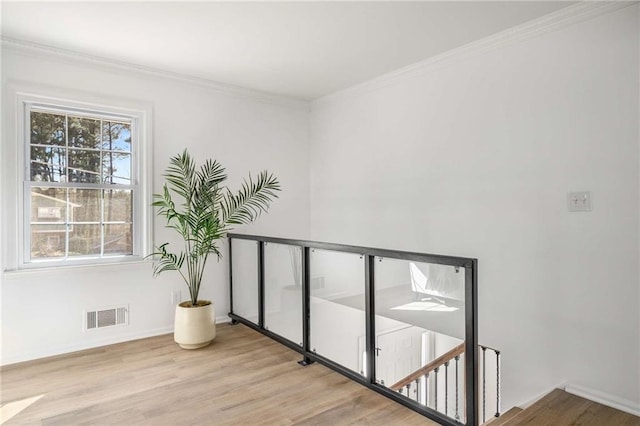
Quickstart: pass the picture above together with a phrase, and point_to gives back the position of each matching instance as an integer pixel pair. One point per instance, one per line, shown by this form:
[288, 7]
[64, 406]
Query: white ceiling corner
[302, 50]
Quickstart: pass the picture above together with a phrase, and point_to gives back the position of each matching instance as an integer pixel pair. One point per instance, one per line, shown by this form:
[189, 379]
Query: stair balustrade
[374, 315]
[431, 370]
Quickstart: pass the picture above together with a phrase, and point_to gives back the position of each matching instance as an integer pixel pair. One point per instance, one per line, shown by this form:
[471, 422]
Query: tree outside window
[81, 186]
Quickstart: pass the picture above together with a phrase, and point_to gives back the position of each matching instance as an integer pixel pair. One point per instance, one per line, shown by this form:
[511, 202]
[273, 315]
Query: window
[82, 197]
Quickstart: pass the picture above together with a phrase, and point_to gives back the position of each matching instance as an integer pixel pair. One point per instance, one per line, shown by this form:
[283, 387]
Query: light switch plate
[581, 201]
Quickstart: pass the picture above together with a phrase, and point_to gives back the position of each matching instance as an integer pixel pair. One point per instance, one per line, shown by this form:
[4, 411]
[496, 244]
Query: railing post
[231, 281]
[435, 388]
[426, 389]
[484, 383]
[370, 316]
[457, 413]
[446, 388]
[497, 383]
[261, 284]
[471, 343]
[306, 308]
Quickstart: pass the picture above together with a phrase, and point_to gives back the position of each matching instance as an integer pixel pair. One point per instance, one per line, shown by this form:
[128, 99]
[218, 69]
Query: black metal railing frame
[471, 317]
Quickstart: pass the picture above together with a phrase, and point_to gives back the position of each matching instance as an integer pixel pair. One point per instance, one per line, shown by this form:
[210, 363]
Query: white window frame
[141, 177]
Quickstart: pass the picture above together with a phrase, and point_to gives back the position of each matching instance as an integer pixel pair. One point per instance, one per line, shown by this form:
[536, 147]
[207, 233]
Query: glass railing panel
[420, 316]
[244, 268]
[337, 311]
[283, 290]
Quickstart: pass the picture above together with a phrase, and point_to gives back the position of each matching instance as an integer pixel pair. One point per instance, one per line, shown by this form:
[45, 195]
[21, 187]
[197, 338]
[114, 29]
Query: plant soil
[199, 303]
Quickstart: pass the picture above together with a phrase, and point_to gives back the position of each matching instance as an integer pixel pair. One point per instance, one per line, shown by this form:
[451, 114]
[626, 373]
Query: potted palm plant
[197, 205]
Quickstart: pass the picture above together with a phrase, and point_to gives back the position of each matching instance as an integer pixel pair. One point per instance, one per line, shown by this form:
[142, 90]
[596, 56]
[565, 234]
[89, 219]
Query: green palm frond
[181, 175]
[167, 261]
[211, 174]
[205, 213]
[251, 200]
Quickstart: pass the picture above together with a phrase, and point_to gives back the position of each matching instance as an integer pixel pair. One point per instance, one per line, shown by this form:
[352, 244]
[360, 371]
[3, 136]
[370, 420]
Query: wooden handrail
[445, 357]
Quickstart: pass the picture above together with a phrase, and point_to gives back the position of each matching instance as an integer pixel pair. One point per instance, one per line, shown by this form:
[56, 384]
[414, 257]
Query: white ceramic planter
[194, 327]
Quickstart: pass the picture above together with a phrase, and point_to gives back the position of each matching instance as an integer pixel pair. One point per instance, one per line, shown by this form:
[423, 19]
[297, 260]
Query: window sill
[37, 270]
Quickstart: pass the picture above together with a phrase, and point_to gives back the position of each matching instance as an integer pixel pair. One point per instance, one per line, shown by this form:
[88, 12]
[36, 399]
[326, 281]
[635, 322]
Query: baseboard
[605, 399]
[61, 350]
[541, 395]
[223, 319]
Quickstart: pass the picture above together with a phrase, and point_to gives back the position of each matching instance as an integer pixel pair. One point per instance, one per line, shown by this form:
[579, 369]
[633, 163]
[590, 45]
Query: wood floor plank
[560, 408]
[505, 418]
[242, 378]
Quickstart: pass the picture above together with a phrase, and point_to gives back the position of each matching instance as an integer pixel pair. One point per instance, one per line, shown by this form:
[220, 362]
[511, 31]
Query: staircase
[438, 385]
[560, 408]
[505, 418]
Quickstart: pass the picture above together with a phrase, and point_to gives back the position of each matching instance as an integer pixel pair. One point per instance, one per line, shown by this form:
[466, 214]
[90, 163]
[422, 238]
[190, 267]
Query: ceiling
[302, 50]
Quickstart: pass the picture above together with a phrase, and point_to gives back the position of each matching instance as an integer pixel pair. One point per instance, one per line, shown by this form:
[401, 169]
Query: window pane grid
[48, 109]
[80, 185]
[67, 214]
[85, 180]
[68, 226]
[101, 207]
[66, 162]
[61, 147]
[78, 166]
[101, 169]
[81, 223]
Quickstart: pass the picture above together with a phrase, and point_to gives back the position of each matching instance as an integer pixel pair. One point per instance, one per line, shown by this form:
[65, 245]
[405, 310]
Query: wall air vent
[108, 317]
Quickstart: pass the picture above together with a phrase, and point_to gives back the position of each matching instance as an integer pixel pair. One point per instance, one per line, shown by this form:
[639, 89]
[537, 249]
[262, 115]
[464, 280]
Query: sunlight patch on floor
[10, 409]
[425, 305]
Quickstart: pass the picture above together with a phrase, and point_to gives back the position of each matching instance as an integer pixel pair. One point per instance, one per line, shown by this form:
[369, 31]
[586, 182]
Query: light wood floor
[243, 378]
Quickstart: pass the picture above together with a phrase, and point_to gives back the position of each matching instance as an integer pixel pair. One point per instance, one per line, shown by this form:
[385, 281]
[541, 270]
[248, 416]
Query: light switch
[580, 201]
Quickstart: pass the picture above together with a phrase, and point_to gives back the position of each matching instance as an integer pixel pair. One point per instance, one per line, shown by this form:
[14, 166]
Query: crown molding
[41, 50]
[583, 11]
[562, 18]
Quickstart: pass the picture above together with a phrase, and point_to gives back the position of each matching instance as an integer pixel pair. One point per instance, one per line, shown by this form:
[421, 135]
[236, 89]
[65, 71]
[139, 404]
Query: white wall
[474, 158]
[42, 311]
